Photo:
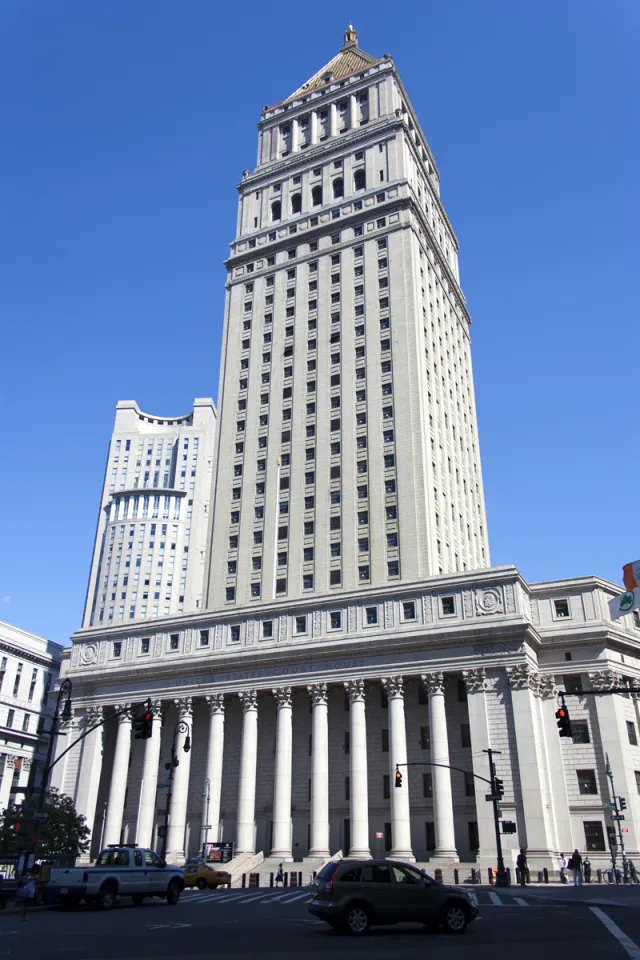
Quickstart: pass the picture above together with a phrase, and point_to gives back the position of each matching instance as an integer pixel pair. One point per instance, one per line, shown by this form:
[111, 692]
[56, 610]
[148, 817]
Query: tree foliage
[63, 833]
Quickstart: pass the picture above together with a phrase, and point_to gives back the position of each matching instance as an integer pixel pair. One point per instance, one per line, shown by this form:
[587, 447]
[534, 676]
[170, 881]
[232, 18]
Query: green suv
[352, 895]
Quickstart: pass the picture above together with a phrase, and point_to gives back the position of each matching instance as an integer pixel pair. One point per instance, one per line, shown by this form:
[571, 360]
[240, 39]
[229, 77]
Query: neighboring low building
[29, 666]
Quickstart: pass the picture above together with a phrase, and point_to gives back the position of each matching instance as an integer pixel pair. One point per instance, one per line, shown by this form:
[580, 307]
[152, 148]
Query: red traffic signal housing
[398, 779]
[564, 723]
[18, 827]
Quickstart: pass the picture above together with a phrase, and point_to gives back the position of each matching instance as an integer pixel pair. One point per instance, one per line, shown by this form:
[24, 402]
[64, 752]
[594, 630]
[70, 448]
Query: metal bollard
[490, 872]
[456, 876]
[539, 876]
[244, 879]
[509, 875]
[300, 878]
[599, 875]
[545, 874]
[314, 874]
[286, 879]
[270, 879]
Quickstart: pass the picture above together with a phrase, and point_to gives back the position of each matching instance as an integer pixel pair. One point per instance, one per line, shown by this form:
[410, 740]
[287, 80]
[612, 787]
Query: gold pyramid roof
[349, 60]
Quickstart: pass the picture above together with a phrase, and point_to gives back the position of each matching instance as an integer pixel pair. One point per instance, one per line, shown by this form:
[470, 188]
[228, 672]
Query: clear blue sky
[125, 128]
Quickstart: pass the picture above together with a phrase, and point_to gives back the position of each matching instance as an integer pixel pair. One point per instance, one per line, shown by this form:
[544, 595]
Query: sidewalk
[589, 893]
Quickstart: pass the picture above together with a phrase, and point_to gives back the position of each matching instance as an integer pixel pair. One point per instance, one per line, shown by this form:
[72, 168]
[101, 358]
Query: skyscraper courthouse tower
[348, 418]
[303, 592]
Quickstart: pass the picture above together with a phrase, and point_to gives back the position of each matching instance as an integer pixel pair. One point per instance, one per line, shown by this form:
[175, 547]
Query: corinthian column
[89, 770]
[146, 814]
[282, 781]
[245, 829]
[400, 813]
[215, 750]
[180, 787]
[319, 771]
[358, 770]
[119, 773]
[442, 797]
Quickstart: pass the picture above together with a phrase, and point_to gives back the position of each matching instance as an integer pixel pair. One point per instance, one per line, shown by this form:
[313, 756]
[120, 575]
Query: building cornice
[23, 654]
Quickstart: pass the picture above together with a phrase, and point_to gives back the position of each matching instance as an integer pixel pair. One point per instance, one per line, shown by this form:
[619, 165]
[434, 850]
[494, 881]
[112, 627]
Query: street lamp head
[187, 743]
[66, 710]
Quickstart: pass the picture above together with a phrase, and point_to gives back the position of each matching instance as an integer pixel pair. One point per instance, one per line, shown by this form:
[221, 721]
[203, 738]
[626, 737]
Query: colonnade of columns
[313, 120]
[246, 800]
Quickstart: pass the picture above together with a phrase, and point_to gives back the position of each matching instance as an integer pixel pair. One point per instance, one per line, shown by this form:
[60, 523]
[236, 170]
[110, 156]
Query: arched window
[338, 188]
[359, 180]
[276, 210]
[316, 196]
[296, 203]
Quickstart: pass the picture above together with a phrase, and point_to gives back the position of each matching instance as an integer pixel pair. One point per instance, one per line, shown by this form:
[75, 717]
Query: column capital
[604, 679]
[248, 699]
[126, 712]
[318, 693]
[25, 763]
[433, 682]
[93, 714]
[184, 706]
[355, 690]
[475, 680]
[546, 686]
[215, 703]
[393, 687]
[282, 695]
[156, 708]
[522, 677]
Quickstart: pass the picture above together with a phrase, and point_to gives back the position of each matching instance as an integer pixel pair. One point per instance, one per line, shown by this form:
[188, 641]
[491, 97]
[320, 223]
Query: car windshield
[328, 870]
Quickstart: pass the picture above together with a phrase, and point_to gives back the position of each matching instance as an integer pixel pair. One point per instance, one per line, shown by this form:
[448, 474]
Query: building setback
[351, 620]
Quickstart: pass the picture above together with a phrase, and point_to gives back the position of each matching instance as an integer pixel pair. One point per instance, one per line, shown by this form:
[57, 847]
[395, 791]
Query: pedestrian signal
[622, 803]
[564, 723]
[398, 779]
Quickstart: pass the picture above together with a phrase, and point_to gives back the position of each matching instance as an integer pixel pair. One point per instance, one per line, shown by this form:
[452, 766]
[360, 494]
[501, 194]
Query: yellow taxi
[199, 874]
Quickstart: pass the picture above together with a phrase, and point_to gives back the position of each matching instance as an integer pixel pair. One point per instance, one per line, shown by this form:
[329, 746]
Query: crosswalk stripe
[292, 899]
[521, 902]
[495, 899]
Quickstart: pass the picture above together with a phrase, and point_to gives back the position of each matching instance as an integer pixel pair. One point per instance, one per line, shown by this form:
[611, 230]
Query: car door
[155, 872]
[409, 893]
[377, 888]
[141, 882]
[127, 876]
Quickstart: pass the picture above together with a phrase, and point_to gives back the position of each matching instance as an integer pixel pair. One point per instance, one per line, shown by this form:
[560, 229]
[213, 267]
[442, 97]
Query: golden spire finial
[350, 35]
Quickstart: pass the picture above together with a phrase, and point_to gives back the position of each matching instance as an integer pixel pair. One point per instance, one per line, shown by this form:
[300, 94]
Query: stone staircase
[264, 867]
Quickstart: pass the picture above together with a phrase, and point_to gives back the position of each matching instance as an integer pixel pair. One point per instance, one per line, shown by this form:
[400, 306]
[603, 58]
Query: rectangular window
[465, 735]
[385, 741]
[593, 835]
[580, 731]
[425, 740]
[336, 624]
[573, 683]
[117, 649]
[632, 733]
[636, 772]
[587, 781]
[204, 638]
[301, 624]
[10, 715]
[561, 608]
[371, 614]
[427, 786]
[267, 629]
[430, 831]
[386, 784]
[174, 641]
[448, 606]
[474, 836]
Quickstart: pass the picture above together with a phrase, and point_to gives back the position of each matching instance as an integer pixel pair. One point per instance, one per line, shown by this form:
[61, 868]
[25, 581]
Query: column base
[284, 855]
[318, 855]
[401, 855]
[447, 856]
[359, 854]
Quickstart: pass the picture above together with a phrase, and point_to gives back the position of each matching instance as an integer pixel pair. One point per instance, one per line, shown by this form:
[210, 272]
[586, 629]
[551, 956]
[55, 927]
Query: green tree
[63, 833]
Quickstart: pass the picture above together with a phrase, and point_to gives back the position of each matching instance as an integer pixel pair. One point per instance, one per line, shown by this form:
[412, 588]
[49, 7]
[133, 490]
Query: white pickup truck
[120, 870]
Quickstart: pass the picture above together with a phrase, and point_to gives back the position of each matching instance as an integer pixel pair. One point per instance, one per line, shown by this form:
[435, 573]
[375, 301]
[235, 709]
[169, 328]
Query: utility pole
[617, 816]
[502, 877]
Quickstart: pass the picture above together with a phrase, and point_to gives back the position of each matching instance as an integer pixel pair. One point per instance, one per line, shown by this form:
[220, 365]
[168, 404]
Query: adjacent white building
[151, 538]
[29, 666]
[350, 620]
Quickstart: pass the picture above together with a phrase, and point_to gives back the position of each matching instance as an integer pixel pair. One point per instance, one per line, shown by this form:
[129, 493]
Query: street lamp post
[181, 727]
[206, 796]
[65, 690]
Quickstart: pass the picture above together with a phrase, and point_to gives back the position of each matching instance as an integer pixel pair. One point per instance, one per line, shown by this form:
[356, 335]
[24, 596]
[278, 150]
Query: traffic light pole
[502, 877]
[617, 817]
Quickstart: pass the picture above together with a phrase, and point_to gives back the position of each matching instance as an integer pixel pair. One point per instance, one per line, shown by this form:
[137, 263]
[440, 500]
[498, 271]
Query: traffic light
[499, 787]
[622, 803]
[398, 779]
[143, 726]
[564, 723]
[19, 828]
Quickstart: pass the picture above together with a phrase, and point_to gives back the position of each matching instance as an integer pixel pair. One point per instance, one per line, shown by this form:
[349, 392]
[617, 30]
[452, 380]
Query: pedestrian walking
[521, 864]
[280, 875]
[26, 893]
[586, 866]
[576, 866]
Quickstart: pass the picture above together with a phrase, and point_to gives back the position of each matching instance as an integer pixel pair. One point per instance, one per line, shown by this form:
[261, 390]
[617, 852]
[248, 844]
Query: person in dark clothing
[280, 875]
[521, 864]
[586, 866]
[576, 866]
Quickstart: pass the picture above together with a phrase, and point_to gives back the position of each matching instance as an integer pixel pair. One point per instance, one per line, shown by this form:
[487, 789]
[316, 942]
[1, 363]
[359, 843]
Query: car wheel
[106, 899]
[173, 893]
[454, 917]
[356, 919]
[137, 899]
[201, 883]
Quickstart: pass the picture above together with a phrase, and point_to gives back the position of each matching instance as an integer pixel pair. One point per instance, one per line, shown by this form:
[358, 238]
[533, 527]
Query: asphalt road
[230, 924]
